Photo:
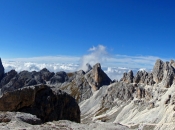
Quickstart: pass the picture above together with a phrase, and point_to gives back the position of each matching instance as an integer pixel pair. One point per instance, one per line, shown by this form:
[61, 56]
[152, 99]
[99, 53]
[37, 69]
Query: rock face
[7, 77]
[144, 77]
[1, 70]
[168, 76]
[41, 101]
[97, 78]
[158, 71]
[128, 77]
[59, 77]
[79, 84]
[12, 80]
[164, 72]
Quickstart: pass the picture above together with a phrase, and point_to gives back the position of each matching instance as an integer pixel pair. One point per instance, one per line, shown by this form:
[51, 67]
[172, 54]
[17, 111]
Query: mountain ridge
[140, 101]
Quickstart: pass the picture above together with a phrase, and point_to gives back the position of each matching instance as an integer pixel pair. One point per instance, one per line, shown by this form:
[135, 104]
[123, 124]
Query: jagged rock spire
[97, 77]
[1, 70]
[164, 72]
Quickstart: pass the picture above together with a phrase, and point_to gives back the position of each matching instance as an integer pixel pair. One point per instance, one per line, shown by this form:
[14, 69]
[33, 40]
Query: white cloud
[97, 55]
[113, 65]
[31, 66]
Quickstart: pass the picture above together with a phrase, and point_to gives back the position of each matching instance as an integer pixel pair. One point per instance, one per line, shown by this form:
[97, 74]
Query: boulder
[41, 101]
[19, 116]
[1, 70]
[96, 77]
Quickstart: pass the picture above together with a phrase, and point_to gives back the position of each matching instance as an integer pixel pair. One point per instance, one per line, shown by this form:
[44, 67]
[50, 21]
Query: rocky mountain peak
[96, 77]
[164, 72]
[128, 77]
[158, 71]
[1, 70]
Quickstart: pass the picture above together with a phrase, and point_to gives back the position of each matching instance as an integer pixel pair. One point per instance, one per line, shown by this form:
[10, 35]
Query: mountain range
[88, 99]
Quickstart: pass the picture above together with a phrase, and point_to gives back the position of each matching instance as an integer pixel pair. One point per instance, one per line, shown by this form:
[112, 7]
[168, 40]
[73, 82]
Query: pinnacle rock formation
[1, 70]
[97, 78]
[164, 72]
[144, 77]
[158, 71]
[128, 77]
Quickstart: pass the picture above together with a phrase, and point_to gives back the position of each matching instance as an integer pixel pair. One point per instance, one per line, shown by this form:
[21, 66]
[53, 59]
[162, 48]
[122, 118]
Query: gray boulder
[19, 116]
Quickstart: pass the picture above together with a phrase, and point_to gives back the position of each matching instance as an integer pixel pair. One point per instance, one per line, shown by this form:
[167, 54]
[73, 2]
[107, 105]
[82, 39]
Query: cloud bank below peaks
[113, 65]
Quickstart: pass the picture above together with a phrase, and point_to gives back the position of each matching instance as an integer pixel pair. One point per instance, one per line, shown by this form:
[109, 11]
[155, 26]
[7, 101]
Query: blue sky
[30, 28]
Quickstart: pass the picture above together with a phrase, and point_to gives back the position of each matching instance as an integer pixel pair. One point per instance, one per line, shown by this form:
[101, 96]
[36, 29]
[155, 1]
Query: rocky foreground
[47, 100]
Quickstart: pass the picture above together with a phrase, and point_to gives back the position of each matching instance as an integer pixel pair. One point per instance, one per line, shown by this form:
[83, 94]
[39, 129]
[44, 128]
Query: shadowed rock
[41, 101]
[12, 80]
[59, 77]
[7, 77]
[1, 70]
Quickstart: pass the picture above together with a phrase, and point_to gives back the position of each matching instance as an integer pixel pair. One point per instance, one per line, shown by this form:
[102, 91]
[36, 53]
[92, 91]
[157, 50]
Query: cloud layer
[113, 65]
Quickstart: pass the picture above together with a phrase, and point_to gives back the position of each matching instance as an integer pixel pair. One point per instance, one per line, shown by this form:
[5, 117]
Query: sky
[68, 29]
